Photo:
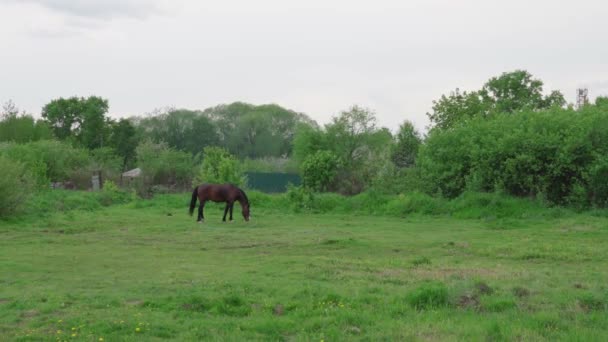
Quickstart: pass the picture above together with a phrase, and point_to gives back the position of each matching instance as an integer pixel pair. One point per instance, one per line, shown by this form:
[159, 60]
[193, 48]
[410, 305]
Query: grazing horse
[219, 193]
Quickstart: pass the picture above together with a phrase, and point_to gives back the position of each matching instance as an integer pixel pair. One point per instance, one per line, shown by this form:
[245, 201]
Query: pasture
[147, 271]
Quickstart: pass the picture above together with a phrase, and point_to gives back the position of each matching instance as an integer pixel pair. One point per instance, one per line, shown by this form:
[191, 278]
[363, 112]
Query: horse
[228, 193]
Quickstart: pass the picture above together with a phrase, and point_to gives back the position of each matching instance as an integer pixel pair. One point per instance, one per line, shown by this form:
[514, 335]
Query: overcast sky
[312, 56]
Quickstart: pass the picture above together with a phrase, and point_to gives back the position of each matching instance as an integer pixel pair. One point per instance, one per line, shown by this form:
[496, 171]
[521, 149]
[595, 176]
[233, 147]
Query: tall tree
[407, 143]
[79, 119]
[124, 141]
[508, 93]
[517, 90]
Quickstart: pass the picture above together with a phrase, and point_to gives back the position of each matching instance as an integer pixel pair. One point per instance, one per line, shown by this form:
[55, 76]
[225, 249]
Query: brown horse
[219, 193]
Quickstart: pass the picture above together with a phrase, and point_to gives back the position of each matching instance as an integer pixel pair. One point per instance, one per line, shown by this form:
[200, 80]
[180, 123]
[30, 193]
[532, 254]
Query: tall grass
[470, 205]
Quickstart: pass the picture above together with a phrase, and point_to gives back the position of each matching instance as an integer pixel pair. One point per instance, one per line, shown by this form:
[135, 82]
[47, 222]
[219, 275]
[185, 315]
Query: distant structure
[582, 97]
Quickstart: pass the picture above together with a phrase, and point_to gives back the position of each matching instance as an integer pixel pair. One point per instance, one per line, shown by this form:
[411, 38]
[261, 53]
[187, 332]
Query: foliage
[161, 164]
[181, 129]
[456, 108]
[21, 128]
[405, 149]
[15, 186]
[81, 120]
[256, 131]
[47, 161]
[124, 141]
[300, 198]
[508, 93]
[535, 153]
[358, 145]
[319, 170]
[219, 166]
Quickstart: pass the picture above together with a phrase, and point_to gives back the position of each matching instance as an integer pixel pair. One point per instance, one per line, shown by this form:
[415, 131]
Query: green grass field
[147, 271]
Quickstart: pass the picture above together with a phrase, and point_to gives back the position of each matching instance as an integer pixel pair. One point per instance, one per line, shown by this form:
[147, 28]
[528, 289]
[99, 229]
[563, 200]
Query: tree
[406, 146]
[508, 93]
[181, 129]
[457, 107]
[124, 141]
[21, 128]
[257, 131]
[79, 119]
[355, 141]
[517, 90]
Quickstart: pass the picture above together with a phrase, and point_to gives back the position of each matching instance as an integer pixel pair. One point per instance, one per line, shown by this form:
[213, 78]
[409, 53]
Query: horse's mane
[244, 196]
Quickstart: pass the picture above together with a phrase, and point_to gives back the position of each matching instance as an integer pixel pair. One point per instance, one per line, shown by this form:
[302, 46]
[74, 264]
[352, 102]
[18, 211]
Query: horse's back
[217, 192]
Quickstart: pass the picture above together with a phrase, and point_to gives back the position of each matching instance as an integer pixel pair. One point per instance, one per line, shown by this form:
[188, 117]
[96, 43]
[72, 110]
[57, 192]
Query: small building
[128, 177]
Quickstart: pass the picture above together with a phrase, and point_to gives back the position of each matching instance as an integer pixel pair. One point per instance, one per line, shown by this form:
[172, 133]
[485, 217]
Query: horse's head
[246, 211]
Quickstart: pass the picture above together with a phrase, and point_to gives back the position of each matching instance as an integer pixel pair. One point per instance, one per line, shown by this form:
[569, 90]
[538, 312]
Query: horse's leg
[231, 207]
[225, 211]
[201, 216]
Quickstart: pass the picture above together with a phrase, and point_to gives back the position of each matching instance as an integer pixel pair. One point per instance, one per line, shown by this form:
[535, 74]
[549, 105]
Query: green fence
[271, 181]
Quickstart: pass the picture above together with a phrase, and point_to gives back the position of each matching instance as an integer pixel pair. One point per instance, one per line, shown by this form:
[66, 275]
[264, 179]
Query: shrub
[112, 194]
[15, 186]
[299, 198]
[544, 154]
[163, 165]
[319, 170]
[47, 160]
[219, 166]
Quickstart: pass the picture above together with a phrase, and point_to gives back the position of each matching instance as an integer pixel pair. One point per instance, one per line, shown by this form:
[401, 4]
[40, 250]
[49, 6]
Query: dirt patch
[353, 330]
[134, 302]
[577, 228]
[254, 245]
[30, 313]
[468, 301]
[461, 273]
[484, 288]
[389, 273]
[4, 300]
[521, 292]
[278, 310]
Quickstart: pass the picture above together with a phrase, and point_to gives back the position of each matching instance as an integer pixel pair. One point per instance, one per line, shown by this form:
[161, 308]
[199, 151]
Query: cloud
[101, 9]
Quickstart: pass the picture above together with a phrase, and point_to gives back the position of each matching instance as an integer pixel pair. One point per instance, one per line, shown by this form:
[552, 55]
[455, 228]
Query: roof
[132, 173]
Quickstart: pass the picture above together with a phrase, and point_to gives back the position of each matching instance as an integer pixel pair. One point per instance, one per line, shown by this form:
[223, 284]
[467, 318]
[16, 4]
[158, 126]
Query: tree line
[510, 136]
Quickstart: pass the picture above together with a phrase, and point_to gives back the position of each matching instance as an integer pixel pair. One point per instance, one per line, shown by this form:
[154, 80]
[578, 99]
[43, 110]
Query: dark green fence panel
[271, 181]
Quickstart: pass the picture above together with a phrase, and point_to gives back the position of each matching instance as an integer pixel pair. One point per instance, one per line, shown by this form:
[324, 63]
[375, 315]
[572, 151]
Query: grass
[146, 271]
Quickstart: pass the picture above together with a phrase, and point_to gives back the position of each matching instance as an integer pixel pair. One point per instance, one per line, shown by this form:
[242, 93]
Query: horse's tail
[193, 201]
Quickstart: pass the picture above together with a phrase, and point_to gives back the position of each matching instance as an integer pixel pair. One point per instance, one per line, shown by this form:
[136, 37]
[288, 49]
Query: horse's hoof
[201, 222]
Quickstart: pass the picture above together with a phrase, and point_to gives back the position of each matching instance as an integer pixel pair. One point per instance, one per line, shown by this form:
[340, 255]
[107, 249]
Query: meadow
[144, 270]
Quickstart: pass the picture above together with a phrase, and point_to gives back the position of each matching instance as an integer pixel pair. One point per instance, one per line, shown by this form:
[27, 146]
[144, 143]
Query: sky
[318, 57]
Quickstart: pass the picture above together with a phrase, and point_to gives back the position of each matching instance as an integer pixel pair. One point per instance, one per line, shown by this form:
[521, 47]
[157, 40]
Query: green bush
[163, 165]
[299, 198]
[112, 194]
[319, 170]
[219, 166]
[539, 154]
[47, 160]
[15, 187]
